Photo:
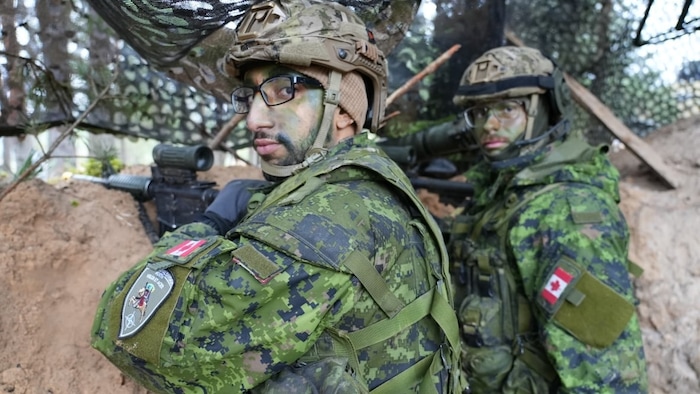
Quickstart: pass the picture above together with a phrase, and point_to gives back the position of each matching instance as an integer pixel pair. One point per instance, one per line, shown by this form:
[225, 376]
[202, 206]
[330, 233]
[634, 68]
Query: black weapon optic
[173, 183]
[441, 140]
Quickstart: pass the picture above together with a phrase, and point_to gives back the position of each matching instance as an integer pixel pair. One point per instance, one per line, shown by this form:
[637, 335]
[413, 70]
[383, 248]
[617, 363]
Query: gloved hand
[231, 204]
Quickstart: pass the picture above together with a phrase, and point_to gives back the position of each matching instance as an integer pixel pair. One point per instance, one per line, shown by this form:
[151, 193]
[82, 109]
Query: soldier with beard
[335, 278]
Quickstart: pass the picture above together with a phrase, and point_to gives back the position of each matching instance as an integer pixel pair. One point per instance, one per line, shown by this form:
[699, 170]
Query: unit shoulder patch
[147, 293]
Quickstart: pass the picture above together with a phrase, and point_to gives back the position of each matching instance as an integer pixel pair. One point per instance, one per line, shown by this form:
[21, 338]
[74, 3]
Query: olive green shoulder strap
[436, 302]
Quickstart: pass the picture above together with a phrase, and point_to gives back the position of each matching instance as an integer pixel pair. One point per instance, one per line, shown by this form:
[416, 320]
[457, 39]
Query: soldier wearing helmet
[330, 49]
[539, 259]
[335, 278]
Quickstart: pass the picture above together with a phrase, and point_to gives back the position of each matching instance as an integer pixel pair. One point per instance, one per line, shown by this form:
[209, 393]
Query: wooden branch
[217, 142]
[226, 130]
[389, 116]
[589, 102]
[635, 144]
[429, 69]
[24, 175]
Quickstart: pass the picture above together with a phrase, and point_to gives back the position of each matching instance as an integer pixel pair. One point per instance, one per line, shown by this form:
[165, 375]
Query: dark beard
[295, 156]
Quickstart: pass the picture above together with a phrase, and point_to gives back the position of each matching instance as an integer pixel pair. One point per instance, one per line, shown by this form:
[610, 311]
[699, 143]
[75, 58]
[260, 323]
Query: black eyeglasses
[274, 91]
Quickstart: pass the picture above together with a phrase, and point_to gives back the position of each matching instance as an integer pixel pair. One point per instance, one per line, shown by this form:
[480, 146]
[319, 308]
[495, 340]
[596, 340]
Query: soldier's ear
[342, 120]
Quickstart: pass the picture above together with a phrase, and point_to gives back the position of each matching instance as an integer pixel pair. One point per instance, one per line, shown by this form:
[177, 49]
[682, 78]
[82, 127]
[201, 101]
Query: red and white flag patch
[556, 285]
[185, 248]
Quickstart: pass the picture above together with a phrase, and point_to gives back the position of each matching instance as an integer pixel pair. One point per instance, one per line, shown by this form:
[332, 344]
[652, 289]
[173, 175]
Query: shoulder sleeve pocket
[587, 308]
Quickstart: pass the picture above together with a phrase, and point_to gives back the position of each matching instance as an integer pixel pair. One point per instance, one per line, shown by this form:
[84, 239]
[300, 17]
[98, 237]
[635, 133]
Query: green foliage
[26, 165]
[105, 161]
[103, 167]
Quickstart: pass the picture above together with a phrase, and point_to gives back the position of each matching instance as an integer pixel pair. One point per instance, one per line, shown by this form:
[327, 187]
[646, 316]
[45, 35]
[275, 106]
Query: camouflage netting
[56, 57]
[639, 58]
[169, 84]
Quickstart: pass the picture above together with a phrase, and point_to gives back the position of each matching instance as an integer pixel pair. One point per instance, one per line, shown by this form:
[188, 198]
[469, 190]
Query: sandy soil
[62, 245]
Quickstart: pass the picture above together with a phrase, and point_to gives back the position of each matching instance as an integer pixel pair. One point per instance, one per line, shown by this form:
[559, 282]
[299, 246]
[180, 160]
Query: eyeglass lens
[274, 91]
[502, 110]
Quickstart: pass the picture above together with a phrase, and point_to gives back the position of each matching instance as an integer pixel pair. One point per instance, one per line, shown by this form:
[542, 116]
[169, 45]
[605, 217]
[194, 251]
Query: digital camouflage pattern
[540, 263]
[290, 287]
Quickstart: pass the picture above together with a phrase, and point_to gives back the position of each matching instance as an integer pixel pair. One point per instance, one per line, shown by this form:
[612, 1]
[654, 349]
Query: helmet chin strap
[531, 115]
[317, 151]
[557, 131]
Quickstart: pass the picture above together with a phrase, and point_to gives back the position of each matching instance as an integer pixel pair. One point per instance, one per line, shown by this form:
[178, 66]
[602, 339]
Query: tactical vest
[435, 303]
[498, 332]
[501, 350]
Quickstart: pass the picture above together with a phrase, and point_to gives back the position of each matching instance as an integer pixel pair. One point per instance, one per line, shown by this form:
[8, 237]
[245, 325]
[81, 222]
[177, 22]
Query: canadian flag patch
[556, 285]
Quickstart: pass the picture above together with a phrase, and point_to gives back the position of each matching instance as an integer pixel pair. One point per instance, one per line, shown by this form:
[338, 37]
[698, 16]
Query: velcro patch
[147, 293]
[581, 212]
[256, 263]
[583, 305]
[600, 317]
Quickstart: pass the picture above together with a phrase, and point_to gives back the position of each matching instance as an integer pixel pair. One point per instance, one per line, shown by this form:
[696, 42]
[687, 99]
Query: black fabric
[231, 204]
[214, 220]
[505, 84]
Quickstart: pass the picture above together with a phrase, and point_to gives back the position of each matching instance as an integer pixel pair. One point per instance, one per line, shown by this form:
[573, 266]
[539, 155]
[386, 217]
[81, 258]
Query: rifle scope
[437, 141]
[196, 158]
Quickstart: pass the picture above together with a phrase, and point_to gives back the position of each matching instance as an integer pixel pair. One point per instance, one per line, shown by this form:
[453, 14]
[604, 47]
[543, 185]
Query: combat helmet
[514, 72]
[308, 33]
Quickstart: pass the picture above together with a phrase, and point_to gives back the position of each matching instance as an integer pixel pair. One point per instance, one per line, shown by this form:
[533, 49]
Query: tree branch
[429, 69]
[29, 170]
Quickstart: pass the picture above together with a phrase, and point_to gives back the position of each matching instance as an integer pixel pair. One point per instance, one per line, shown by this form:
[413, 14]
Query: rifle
[423, 157]
[179, 197]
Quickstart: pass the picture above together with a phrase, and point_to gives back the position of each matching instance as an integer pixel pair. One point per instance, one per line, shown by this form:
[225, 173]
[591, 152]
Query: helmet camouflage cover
[520, 72]
[505, 72]
[308, 33]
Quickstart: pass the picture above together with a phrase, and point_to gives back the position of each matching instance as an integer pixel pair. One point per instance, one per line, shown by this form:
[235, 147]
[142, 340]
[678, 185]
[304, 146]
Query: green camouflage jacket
[338, 278]
[540, 266]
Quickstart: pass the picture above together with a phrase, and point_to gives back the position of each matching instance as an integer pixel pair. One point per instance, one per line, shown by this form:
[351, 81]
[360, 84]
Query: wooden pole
[429, 69]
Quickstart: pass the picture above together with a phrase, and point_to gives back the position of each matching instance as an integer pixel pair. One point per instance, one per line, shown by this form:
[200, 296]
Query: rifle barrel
[442, 186]
[89, 178]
